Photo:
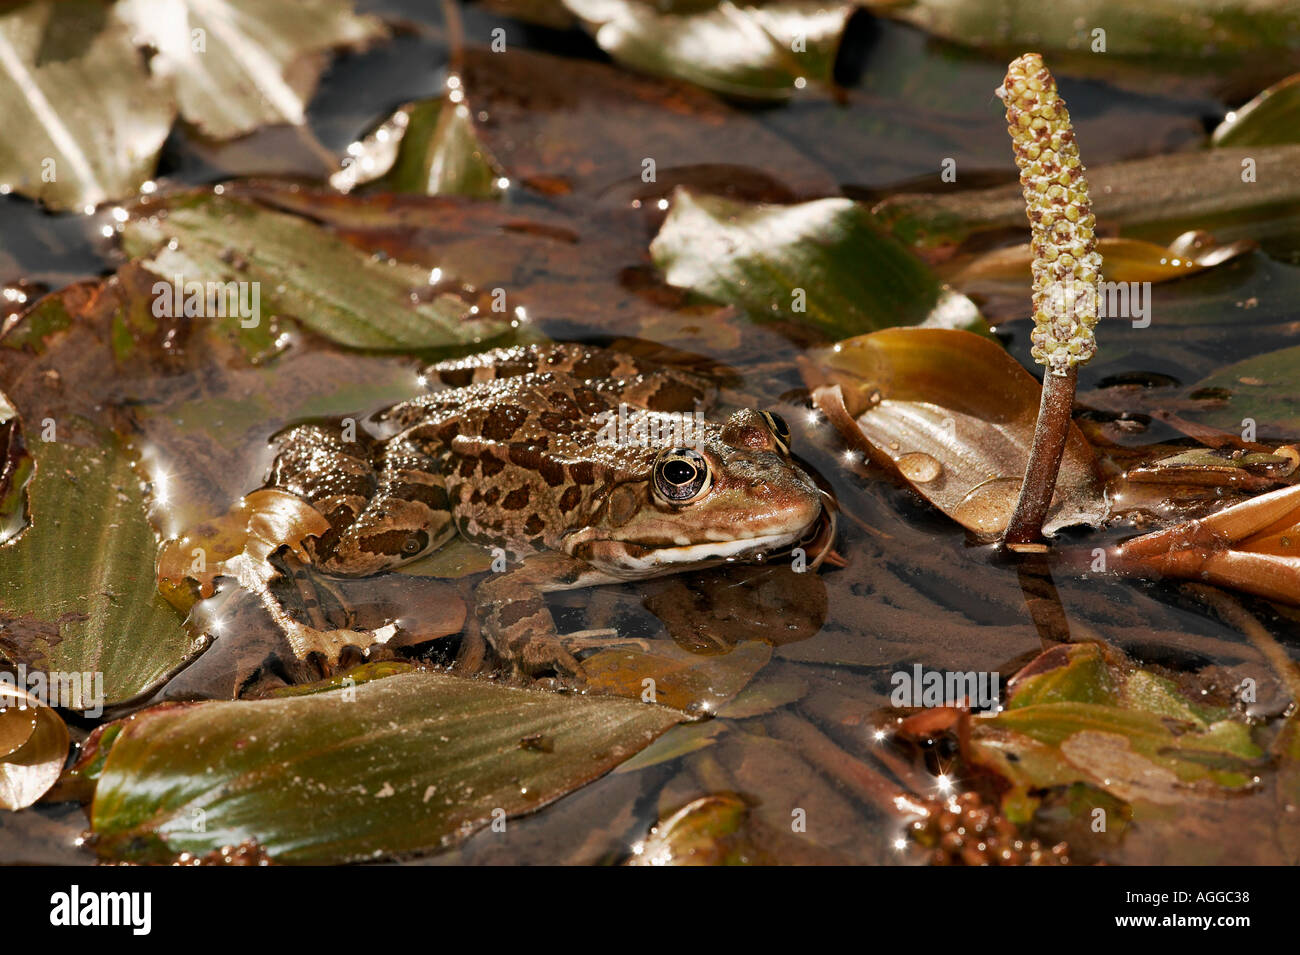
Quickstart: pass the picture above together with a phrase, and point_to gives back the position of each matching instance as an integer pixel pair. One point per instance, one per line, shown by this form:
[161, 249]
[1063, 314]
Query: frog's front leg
[516, 621]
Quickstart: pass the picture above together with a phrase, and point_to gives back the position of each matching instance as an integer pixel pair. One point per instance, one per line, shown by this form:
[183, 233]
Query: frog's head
[734, 496]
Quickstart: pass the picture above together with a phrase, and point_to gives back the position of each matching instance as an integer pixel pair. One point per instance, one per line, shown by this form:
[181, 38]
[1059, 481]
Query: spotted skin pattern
[514, 452]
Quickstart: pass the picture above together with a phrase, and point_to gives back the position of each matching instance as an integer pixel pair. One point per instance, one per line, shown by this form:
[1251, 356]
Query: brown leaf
[952, 414]
[33, 747]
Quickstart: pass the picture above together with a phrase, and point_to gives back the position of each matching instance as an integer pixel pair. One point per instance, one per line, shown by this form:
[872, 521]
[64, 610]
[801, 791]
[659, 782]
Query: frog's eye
[681, 475]
[414, 543]
[780, 430]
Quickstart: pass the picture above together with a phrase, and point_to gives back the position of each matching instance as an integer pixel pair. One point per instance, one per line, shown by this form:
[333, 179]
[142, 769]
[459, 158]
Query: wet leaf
[676, 743]
[240, 64]
[762, 50]
[398, 765]
[1208, 39]
[302, 271]
[1155, 198]
[1126, 260]
[91, 119]
[33, 746]
[427, 147]
[953, 415]
[76, 589]
[818, 263]
[16, 469]
[1085, 714]
[1252, 546]
[1270, 118]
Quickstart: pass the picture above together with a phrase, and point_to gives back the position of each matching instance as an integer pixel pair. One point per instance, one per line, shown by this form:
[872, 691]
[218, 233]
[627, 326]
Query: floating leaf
[404, 764]
[819, 263]
[1252, 546]
[303, 271]
[427, 147]
[240, 64]
[16, 469]
[1149, 198]
[85, 123]
[953, 415]
[1126, 260]
[33, 746]
[1270, 118]
[1083, 713]
[76, 589]
[763, 50]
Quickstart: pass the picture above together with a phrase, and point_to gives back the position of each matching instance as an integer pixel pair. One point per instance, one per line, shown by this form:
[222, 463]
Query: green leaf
[816, 263]
[241, 64]
[84, 121]
[77, 587]
[428, 147]
[1270, 118]
[763, 50]
[305, 272]
[1265, 389]
[398, 765]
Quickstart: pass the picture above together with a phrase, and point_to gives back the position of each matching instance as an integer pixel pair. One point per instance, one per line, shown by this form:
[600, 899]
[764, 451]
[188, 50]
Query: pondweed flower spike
[1066, 273]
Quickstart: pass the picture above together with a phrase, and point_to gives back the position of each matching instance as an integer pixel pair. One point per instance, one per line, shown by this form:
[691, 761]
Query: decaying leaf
[33, 746]
[16, 469]
[953, 415]
[1252, 546]
[664, 673]
[403, 764]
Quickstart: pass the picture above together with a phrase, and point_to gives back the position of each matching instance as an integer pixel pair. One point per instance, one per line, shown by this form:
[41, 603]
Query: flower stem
[1025, 530]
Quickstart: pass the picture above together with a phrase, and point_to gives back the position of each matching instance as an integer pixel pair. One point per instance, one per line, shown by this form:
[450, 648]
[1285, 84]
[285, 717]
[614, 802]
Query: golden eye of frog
[584, 466]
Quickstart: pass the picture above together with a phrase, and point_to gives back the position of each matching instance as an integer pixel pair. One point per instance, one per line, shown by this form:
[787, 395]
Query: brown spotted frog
[526, 450]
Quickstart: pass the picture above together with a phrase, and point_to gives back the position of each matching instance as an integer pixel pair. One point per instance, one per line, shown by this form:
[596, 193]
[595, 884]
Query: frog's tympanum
[520, 452]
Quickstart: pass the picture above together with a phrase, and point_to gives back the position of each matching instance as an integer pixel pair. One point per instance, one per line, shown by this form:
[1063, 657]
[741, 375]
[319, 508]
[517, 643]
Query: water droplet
[987, 508]
[919, 467]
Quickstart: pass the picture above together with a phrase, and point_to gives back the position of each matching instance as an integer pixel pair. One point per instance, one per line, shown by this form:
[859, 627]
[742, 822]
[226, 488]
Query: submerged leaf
[33, 746]
[302, 271]
[240, 64]
[1262, 392]
[403, 764]
[953, 415]
[761, 50]
[16, 470]
[76, 589]
[82, 127]
[818, 263]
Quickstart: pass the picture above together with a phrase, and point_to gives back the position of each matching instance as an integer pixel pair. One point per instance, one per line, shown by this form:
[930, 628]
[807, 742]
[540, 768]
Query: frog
[520, 450]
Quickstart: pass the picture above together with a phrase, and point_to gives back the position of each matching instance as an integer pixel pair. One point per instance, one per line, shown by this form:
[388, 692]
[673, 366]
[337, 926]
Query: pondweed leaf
[302, 271]
[84, 126]
[33, 747]
[821, 264]
[77, 590]
[398, 765]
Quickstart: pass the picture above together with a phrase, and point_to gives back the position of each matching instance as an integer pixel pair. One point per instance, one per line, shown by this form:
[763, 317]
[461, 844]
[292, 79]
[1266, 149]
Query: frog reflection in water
[511, 455]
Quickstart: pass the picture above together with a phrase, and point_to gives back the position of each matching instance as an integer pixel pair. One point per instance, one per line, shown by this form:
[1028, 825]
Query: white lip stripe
[698, 553]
